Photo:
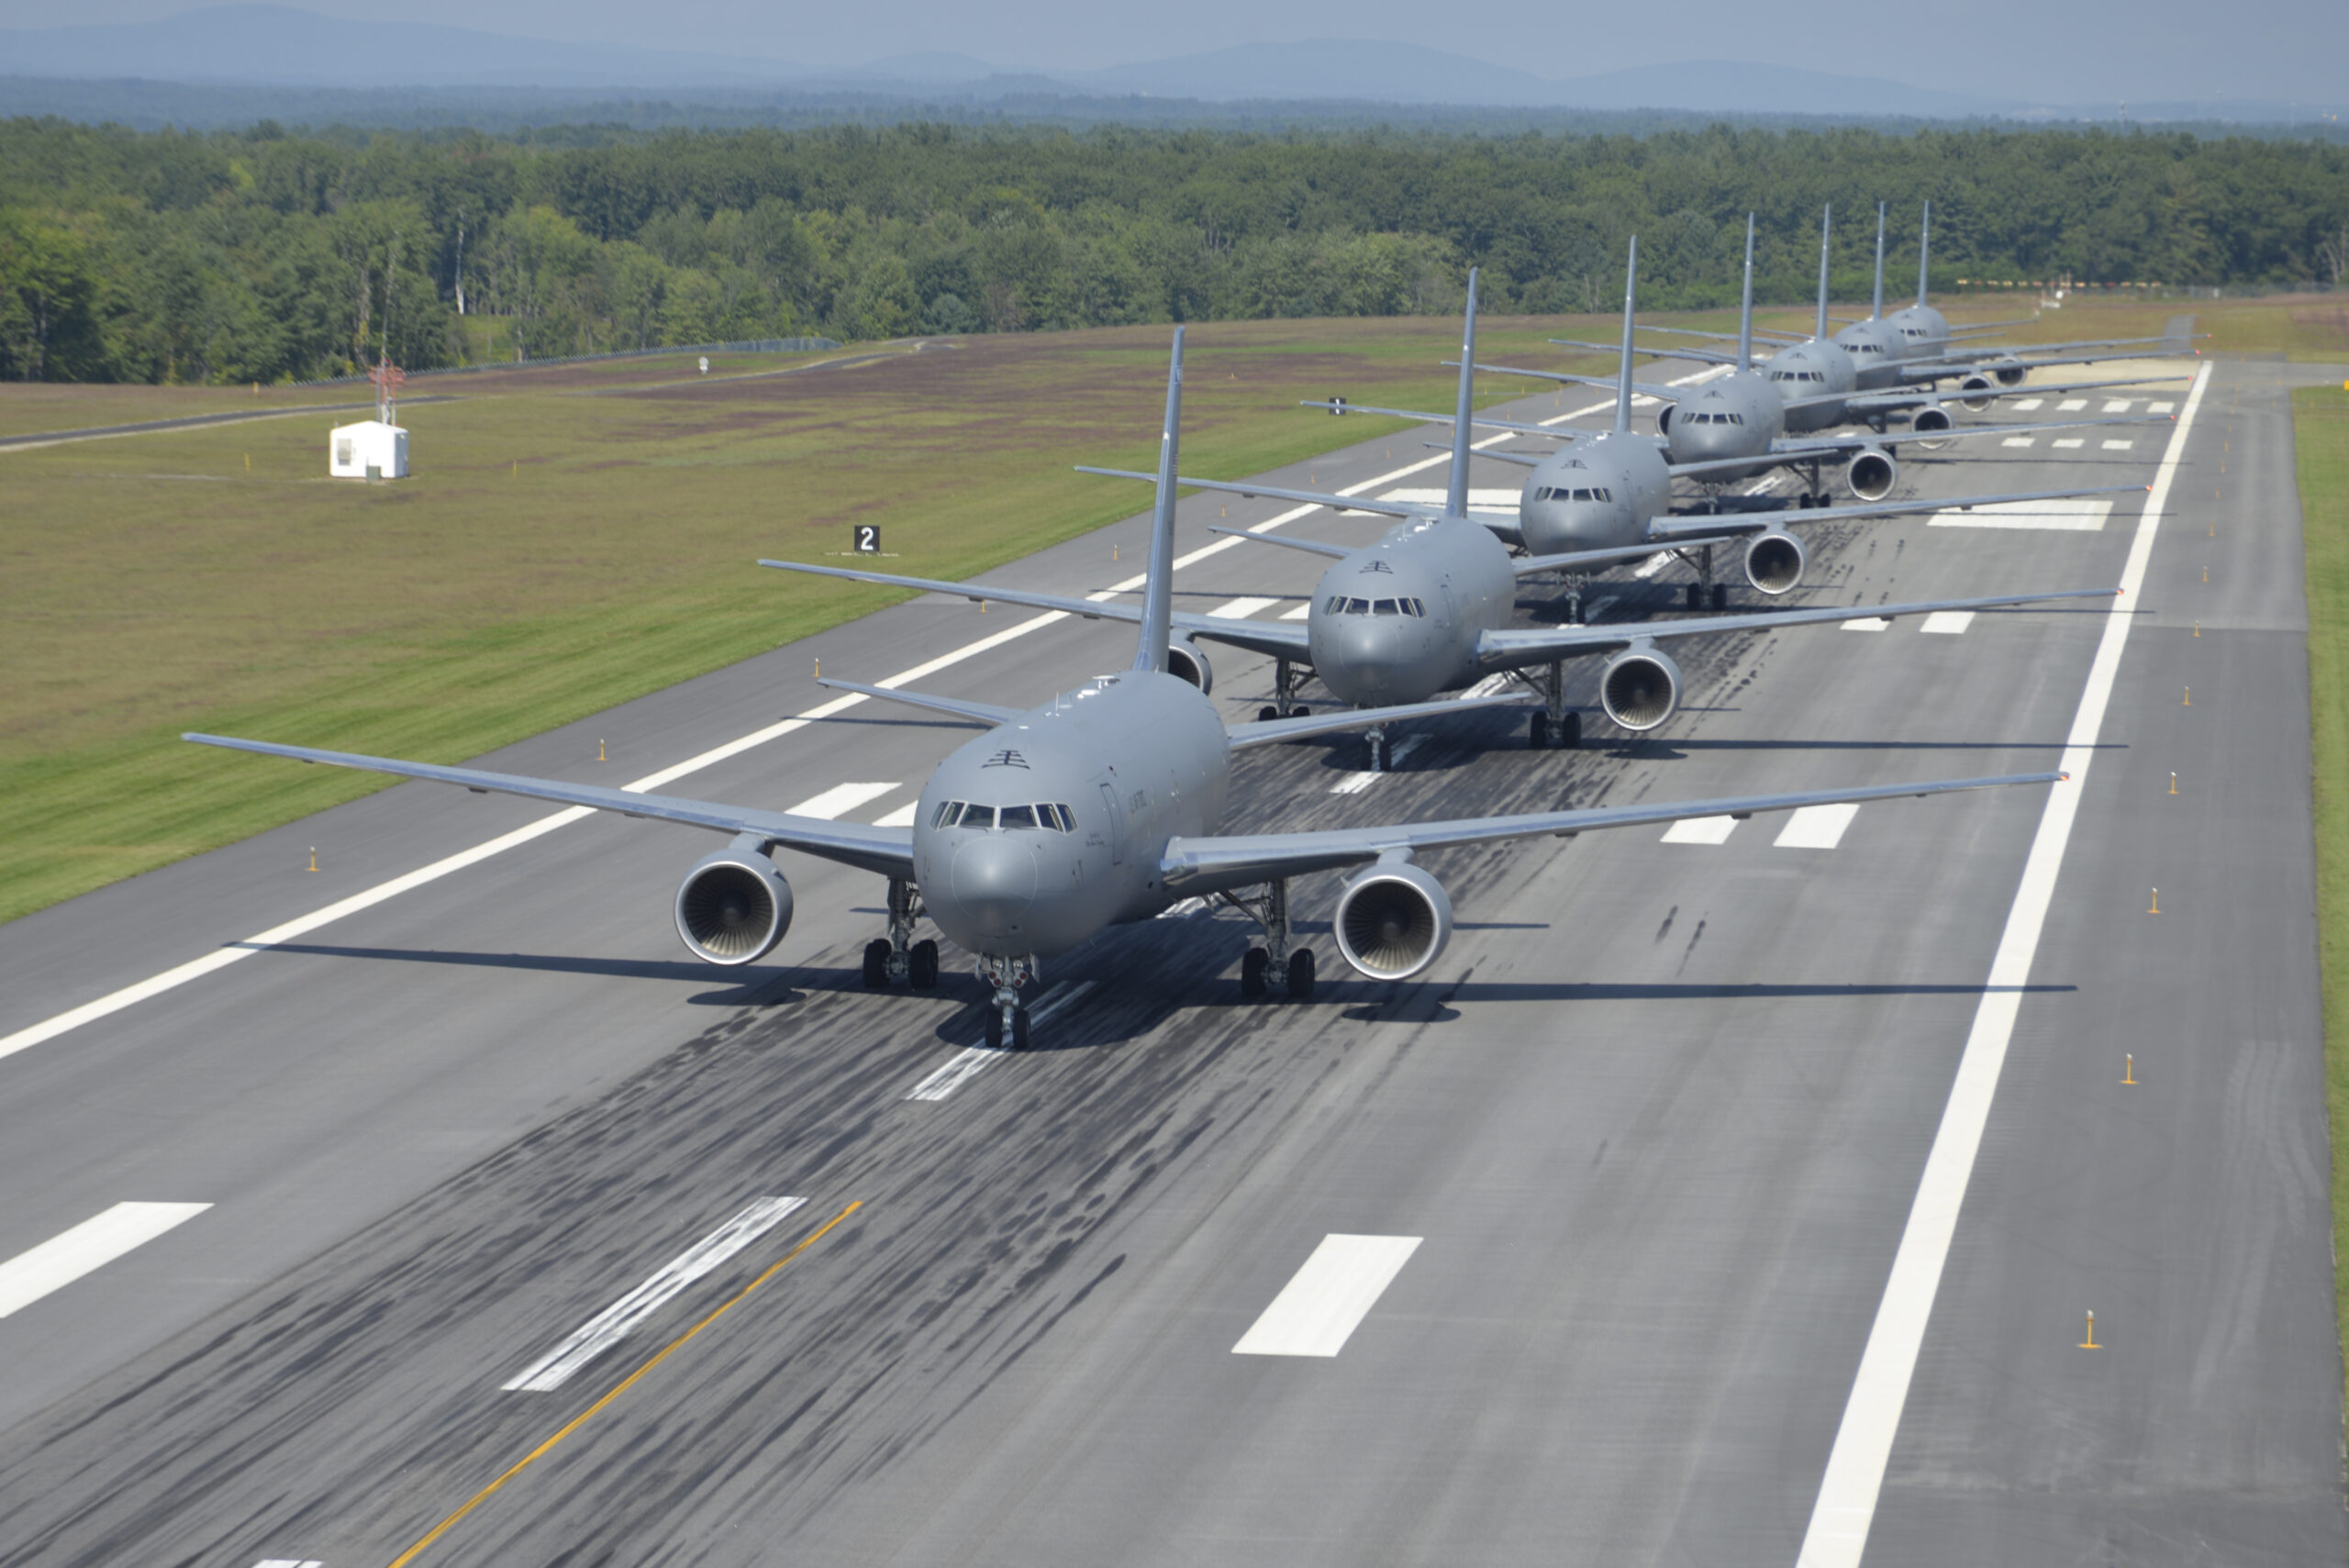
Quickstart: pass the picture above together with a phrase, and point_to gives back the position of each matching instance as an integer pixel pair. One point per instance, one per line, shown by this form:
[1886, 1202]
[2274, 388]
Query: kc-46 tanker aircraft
[1430, 608]
[1103, 805]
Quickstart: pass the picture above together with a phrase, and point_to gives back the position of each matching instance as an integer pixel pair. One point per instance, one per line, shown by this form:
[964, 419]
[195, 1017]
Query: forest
[272, 255]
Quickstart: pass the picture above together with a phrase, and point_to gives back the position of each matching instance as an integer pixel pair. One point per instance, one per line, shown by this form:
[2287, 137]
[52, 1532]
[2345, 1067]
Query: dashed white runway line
[1240, 609]
[289, 1562]
[2071, 405]
[2117, 405]
[1948, 623]
[1868, 623]
[1816, 827]
[1298, 612]
[1316, 1312]
[2117, 446]
[1700, 830]
[1653, 564]
[610, 1325]
[2160, 407]
[1355, 783]
[974, 1060]
[2020, 441]
[86, 1247]
[2029, 404]
[2076, 514]
[841, 799]
[2066, 443]
[1846, 1510]
[901, 817]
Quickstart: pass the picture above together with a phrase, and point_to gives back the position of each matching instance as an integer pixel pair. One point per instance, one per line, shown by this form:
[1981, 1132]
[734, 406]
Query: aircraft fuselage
[1738, 415]
[1398, 621]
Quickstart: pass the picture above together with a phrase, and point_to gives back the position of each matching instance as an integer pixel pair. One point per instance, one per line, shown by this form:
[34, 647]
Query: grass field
[2321, 430]
[572, 537]
[576, 536]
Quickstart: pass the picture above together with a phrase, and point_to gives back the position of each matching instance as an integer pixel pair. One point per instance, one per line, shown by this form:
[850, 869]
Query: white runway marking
[1298, 612]
[1948, 623]
[1240, 609]
[91, 1245]
[2160, 407]
[2020, 441]
[290, 1563]
[2071, 405]
[2115, 405]
[1653, 564]
[1319, 1308]
[2078, 515]
[1816, 827]
[609, 1326]
[960, 1069]
[2066, 443]
[841, 799]
[220, 957]
[1868, 623]
[2024, 406]
[1599, 606]
[1840, 1519]
[1700, 830]
[1495, 501]
[901, 817]
[1355, 783]
[2117, 446]
[1059, 1000]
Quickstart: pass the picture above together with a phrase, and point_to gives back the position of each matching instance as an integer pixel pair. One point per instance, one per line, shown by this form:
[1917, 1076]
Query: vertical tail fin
[1875, 312]
[1158, 585]
[1455, 493]
[1924, 242]
[1745, 304]
[1826, 218]
[1624, 374]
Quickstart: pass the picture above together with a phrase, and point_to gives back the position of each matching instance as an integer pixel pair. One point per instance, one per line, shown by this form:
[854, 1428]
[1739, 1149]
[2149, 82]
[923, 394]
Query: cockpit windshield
[1339, 605]
[1051, 819]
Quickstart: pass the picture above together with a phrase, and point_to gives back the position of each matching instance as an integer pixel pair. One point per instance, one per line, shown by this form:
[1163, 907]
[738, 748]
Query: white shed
[369, 449]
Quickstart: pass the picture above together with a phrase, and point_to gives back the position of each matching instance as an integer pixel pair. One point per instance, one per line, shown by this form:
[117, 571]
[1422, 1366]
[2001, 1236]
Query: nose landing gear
[1258, 965]
[1007, 1016]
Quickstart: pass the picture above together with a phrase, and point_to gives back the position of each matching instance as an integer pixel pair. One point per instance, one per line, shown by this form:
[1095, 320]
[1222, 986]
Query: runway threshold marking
[86, 1247]
[1327, 1300]
[220, 957]
[478, 1498]
[1845, 1509]
[607, 1328]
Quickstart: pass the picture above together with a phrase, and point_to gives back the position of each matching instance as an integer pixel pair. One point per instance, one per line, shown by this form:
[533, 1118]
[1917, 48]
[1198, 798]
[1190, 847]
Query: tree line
[269, 255]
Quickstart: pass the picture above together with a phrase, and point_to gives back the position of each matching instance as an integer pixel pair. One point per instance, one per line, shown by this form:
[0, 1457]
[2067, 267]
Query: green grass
[572, 538]
[2320, 430]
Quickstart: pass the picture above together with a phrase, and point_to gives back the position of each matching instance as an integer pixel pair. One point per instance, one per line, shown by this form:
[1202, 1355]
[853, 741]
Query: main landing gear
[1285, 681]
[1555, 726]
[897, 959]
[1704, 590]
[1007, 1016]
[1381, 754]
[1259, 965]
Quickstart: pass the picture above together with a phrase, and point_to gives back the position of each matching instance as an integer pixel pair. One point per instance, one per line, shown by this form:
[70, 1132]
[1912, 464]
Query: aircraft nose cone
[1361, 653]
[995, 881]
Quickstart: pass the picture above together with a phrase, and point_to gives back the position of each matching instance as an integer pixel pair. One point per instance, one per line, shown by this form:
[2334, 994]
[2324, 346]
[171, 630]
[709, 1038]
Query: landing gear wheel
[1696, 596]
[1300, 975]
[921, 965]
[876, 963]
[994, 1028]
[1253, 966]
[1537, 732]
[1300, 713]
[1267, 713]
[1720, 595]
[1570, 732]
[1018, 1029]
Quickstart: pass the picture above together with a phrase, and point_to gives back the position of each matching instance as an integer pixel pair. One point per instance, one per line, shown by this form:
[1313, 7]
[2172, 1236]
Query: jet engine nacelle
[1774, 562]
[1639, 688]
[1932, 420]
[1664, 418]
[1870, 473]
[2010, 375]
[733, 907]
[1184, 660]
[1972, 391]
[1393, 920]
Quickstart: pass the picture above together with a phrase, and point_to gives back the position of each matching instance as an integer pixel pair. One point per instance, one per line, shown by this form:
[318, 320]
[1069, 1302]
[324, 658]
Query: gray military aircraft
[1429, 607]
[1103, 805]
[1607, 498]
[1742, 414]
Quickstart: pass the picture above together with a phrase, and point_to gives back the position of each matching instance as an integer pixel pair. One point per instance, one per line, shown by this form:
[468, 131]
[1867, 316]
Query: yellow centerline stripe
[410, 1555]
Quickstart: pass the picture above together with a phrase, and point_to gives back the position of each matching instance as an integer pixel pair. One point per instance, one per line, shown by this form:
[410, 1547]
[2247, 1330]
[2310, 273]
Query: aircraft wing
[1275, 639]
[1204, 865]
[1946, 368]
[1573, 560]
[1678, 531]
[1310, 546]
[1518, 646]
[1700, 356]
[1974, 353]
[1265, 731]
[987, 713]
[1309, 497]
[1483, 424]
[888, 850]
[1645, 389]
[1803, 448]
[1867, 405]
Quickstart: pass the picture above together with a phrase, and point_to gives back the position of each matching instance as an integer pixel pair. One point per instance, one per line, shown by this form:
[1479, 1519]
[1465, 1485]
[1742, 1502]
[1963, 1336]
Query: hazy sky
[2080, 51]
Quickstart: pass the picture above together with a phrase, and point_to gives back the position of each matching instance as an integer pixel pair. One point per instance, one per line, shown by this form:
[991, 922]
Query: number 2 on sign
[867, 538]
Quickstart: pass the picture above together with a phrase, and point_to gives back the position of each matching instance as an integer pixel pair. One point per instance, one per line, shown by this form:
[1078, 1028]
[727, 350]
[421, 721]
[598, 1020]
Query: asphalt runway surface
[1657, 1119]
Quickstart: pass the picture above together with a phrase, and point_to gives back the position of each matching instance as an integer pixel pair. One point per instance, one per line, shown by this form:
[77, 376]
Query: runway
[1637, 1155]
